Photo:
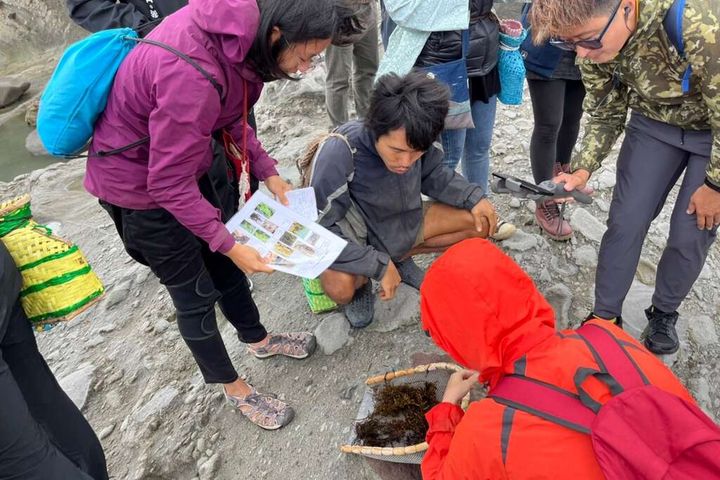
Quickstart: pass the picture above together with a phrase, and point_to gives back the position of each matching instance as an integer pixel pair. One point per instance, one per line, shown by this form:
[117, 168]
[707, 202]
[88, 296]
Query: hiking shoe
[504, 230]
[264, 410]
[618, 321]
[410, 273]
[660, 336]
[558, 169]
[547, 215]
[361, 309]
[294, 345]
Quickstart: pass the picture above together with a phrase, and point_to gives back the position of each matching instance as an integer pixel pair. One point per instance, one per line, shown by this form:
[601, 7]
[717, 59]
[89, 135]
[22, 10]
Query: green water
[14, 159]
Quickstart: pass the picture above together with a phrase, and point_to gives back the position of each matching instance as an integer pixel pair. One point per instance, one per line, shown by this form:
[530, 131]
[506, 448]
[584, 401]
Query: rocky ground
[125, 365]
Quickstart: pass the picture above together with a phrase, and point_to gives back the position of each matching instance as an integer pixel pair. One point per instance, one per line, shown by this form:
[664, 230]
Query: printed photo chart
[296, 244]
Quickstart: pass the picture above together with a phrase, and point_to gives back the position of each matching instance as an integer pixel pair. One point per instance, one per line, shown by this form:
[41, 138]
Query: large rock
[590, 227]
[77, 384]
[11, 90]
[702, 329]
[162, 399]
[401, 311]
[332, 333]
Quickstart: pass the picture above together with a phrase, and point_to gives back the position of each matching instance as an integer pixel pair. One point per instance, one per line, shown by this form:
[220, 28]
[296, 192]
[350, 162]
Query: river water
[14, 158]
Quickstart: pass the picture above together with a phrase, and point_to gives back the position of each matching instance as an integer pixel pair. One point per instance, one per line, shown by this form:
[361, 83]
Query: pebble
[105, 432]
[521, 241]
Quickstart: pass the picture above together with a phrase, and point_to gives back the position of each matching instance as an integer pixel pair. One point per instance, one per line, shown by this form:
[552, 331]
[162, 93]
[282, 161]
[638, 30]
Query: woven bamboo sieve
[409, 453]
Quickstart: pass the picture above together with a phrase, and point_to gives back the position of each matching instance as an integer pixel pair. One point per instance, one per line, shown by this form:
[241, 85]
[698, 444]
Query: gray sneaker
[290, 344]
[264, 410]
[361, 309]
[410, 273]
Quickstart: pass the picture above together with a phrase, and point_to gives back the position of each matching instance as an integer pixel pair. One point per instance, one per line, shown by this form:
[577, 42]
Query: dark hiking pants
[43, 435]
[196, 278]
[653, 157]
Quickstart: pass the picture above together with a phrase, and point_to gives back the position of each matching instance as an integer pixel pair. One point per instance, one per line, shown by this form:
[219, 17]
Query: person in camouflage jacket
[629, 61]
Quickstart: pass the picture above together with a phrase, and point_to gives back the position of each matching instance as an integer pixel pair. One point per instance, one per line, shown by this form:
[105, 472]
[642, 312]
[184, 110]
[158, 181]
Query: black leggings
[43, 435]
[557, 109]
[196, 279]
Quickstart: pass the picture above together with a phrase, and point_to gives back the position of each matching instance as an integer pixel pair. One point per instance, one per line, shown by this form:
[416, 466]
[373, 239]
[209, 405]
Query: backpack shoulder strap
[612, 356]
[189, 60]
[673, 24]
[306, 163]
[543, 400]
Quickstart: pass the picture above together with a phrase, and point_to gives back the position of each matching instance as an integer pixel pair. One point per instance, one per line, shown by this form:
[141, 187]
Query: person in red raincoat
[480, 307]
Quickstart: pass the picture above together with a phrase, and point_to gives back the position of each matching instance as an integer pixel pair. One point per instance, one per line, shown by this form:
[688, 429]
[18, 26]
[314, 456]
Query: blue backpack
[77, 92]
[673, 27]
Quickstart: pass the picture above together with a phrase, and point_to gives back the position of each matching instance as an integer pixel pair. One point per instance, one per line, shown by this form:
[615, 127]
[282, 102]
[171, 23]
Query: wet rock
[77, 384]
[585, 223]
[161, 400]
[332, 333]
[401, 311]
[34, 145]
[586, 256]
[11, 90]
[521, 241]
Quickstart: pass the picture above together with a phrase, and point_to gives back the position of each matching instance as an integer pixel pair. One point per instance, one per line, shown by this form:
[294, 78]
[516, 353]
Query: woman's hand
[248, 259]
[278, 187]
[459, 384]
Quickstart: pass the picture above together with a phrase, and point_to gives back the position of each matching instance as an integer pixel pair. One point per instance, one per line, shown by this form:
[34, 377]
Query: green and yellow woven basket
[318, 301]
[58, 282]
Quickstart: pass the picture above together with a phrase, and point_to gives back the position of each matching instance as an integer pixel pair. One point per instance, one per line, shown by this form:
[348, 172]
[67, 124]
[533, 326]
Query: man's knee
[338, 286]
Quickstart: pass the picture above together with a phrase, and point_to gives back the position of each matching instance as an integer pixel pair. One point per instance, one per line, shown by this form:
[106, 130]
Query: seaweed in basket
[399, 415]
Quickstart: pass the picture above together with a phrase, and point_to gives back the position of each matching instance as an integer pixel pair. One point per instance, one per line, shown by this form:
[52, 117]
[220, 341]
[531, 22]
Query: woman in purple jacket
[158, 193]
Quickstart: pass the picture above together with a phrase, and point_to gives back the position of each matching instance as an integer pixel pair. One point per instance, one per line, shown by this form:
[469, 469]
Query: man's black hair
[299, 21]
[415, 102]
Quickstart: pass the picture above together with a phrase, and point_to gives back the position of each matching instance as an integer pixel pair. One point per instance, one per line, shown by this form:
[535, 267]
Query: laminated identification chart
[295, 244]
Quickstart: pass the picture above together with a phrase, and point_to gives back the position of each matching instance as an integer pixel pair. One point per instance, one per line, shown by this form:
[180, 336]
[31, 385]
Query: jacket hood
[480, 307]
[231, 24]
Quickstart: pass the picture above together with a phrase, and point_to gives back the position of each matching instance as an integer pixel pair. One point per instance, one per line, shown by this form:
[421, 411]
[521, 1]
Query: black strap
[137, 143]
[187, 59]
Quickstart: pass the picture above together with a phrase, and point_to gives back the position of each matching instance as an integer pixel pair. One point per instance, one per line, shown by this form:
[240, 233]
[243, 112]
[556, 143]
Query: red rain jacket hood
[501, 315]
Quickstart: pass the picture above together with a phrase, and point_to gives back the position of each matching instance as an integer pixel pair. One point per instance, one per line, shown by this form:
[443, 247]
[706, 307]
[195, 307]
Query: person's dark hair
[415, 102]
[299, 21]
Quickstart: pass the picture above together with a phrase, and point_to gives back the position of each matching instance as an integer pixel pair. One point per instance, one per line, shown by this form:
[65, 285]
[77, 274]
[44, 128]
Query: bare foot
[238, 388]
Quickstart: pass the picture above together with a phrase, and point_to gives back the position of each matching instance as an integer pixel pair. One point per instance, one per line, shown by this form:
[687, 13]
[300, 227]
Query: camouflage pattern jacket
[646, 76]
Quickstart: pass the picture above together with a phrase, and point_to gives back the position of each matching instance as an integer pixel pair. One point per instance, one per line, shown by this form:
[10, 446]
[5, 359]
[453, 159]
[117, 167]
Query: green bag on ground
[318, 301]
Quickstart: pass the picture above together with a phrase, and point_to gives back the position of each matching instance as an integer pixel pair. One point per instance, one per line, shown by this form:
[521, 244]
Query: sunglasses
[590, 44]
